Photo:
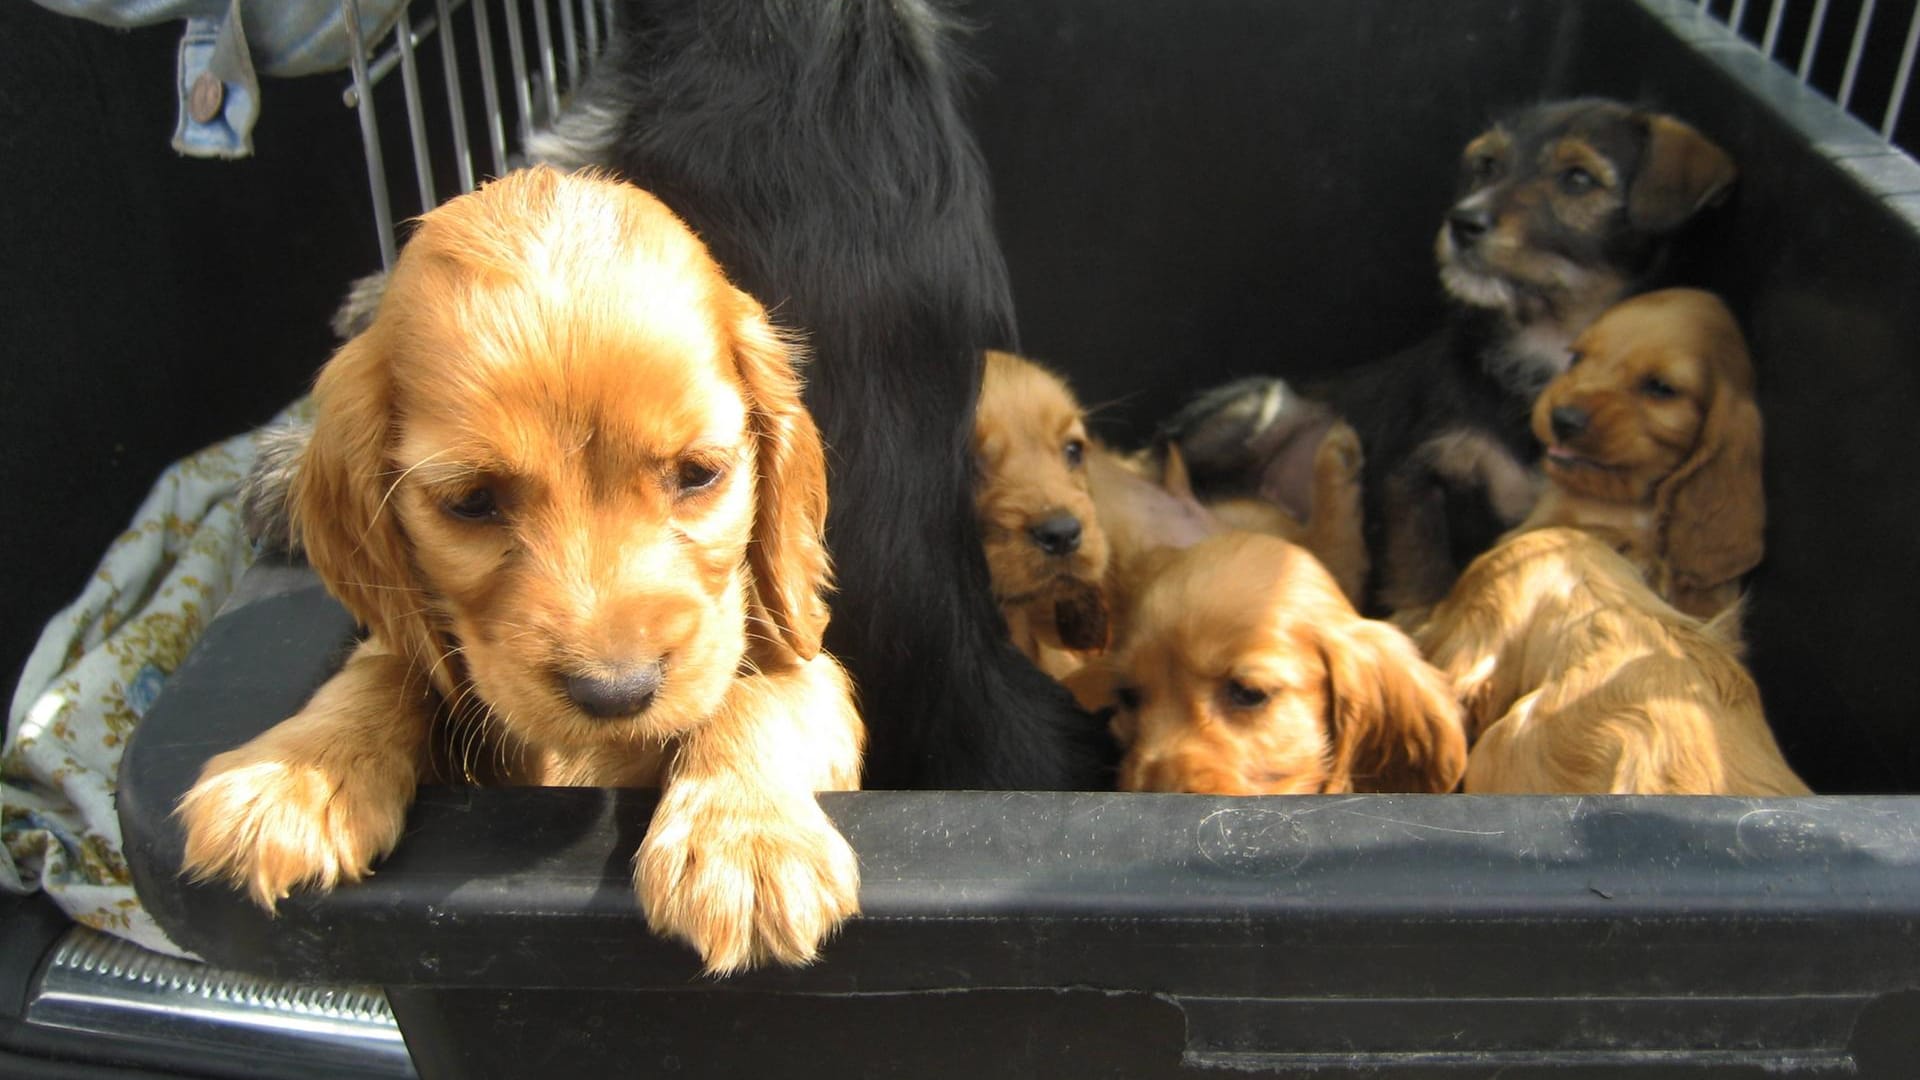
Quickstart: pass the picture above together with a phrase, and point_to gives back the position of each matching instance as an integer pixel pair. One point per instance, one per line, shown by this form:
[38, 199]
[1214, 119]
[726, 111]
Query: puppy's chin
[1479, 289]
[1022, 575]
[1593, 478]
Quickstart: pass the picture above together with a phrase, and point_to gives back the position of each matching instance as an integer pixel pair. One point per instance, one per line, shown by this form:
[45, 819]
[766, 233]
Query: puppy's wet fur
[1564, 208]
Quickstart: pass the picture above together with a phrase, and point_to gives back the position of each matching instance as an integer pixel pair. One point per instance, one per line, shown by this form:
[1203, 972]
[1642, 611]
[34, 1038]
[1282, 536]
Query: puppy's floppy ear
[788, 554]
[1681, 173]
[1712, 511]
[1396, 723]
[341, 509]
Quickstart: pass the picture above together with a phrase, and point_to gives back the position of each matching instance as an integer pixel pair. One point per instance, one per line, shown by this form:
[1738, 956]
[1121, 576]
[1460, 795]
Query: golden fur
[566, 482]
[1653, 436]
[1243, 669]
[1030, 448]
[1576, 678]
[1036, 462]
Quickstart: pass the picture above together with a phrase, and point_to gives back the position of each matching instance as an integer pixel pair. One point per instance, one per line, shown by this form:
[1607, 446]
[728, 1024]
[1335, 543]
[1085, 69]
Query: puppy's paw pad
[745, 892]
[269, 826]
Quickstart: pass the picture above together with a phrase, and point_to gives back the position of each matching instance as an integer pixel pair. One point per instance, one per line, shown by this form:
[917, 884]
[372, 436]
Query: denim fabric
[230, 40]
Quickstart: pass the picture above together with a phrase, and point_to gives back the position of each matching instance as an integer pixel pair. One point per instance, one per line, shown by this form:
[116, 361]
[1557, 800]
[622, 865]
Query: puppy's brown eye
[692, 476]
[1577, 181]
[1242, 696]
[1075, 451]
[480, 504]
[1128, 697]
[1658, 389]
[1481, 167]
[1574, 356]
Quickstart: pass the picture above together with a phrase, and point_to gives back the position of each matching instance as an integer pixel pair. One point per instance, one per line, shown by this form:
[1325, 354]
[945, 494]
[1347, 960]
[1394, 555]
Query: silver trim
[106, 986]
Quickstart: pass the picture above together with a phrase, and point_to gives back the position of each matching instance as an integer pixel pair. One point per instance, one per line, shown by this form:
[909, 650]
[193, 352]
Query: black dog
[1564, 209]
[819, 151]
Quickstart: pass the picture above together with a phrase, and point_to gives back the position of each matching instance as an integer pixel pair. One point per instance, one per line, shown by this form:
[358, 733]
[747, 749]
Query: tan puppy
[1045, 548]
[1243, 669]
[1653, 437]
[566, 481]
[1577, 678]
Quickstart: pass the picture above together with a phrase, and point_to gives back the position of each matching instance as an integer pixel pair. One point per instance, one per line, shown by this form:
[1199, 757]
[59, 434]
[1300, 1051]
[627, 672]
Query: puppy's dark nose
[1057, 535]
[1568, 421]
[1468, 224]
[621, 691]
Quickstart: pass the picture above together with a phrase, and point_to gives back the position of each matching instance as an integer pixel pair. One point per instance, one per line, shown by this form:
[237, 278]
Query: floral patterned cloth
[98, 667]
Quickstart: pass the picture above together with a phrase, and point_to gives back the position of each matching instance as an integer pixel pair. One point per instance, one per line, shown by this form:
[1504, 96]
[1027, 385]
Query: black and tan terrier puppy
[1564, 209]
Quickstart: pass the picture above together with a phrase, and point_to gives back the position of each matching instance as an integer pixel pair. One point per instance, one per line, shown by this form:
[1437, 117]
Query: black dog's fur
[1530, 254]
[819, 150]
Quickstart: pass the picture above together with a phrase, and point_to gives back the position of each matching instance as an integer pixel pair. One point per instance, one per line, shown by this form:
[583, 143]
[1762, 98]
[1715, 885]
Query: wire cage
[1859, 53]
[523, 81]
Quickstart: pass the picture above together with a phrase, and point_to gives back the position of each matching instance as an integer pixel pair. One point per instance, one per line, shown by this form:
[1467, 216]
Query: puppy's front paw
[268, 818]
[745, 883]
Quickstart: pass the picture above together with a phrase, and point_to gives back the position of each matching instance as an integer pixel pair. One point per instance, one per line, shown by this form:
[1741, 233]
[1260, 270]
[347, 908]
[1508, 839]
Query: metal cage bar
[1770, 41]
[1862, 76]
[522, 91]
[1816, 23]
[456, 99]
[1897, 100]
[490, 87]
[543, 34]
[416, 113]
[1858, 49]
[570, 43]
[370, 133]
[583, 34]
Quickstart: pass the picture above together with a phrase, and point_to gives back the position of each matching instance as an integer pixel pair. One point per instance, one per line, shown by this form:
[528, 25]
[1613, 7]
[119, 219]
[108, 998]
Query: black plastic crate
[1188, 193]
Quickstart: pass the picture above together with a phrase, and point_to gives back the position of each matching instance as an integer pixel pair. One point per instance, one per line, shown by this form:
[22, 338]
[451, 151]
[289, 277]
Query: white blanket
[97, 668]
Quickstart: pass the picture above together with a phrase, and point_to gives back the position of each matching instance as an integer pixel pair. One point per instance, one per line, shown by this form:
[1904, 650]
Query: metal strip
[1815, 25]
[101, 984]
[1853, 54]
[490, 87]
[416, 114]
[1901, 80]
[1771, 39]
[591, 19]
[1739, 15]
[517, 54]
[570, 41]
[543, 33]
[369, 132]
[456, 101]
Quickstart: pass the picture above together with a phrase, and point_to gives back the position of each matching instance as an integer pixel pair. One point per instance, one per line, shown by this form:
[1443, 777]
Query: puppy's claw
[766, 886]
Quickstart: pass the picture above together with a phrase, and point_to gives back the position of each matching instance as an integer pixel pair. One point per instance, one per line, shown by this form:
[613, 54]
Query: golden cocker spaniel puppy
[1046, 551]
[1243, 670]
[566, 482]
[1653, 437]
[1576, 678]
